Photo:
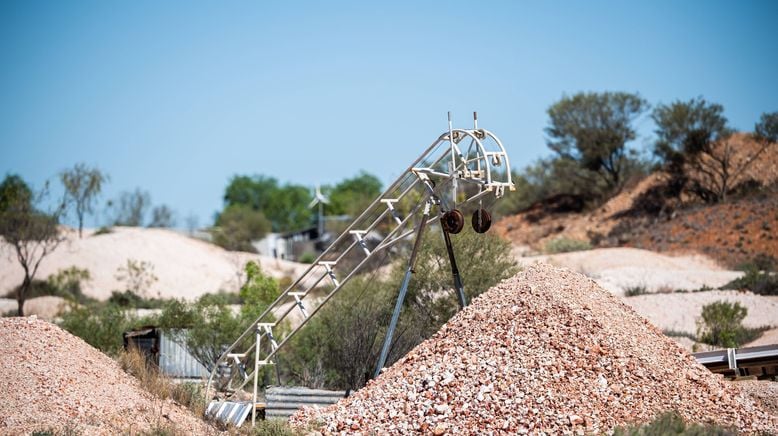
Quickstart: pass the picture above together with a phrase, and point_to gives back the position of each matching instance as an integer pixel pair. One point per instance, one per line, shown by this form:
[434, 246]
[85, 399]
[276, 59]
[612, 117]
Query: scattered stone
[543, 351]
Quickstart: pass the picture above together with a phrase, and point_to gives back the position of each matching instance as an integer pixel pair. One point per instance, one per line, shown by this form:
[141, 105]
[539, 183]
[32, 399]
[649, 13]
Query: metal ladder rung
[298, 298]
[390, 205]
[267, 328]
[328, 266]
[360, 237]
[236, 360]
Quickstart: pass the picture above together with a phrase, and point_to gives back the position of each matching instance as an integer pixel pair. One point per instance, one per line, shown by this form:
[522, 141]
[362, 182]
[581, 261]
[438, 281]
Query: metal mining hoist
[464, 171]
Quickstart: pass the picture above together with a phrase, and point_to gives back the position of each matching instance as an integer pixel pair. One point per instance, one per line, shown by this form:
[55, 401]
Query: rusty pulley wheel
[482, 220]
[453, 221]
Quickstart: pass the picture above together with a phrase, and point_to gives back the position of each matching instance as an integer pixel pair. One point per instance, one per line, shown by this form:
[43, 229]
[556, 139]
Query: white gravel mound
[185, 267]
[545, 352]
[54, 381]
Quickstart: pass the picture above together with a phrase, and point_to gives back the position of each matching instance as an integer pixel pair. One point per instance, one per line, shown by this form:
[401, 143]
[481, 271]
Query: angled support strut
[403, 291]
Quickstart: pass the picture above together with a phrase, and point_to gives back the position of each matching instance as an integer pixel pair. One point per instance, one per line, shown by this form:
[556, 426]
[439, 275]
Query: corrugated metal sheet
[229, 412]
[282, 402]
[175, 360]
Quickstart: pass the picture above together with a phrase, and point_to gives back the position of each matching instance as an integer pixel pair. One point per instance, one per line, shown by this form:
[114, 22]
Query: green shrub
[130, 299]
[307, 257]
[66, 283]
[104, 230]
[721, 324]
[211, 323]
[237, 226]
[634, 291]
[69, 429]
[679, 334]
[671, 423]
[761, 262]
[273, 427]
[100, 326]
[565, 245]
[756, 281]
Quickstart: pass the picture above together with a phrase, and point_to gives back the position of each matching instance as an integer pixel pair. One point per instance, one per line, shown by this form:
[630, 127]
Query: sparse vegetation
[137, 276]
[104, 230]
[237, 226]
[634, 291]
[162, 216]
[130, 208]
[721, 324]
[307, 257]
[66, 283]
[671, 423]
[756, 281]
[210, 323]
[565, 245]
[591, 131]
[101, 326]
[274, 427]
[190, 395]
[679, 334]
[129, 299]
[696, 148]
[32, 234]
[82, 186]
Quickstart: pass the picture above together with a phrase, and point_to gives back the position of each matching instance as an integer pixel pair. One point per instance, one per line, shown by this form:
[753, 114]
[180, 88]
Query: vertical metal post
[455, 271]
[403, 290]
[453, 161]
[256, 377]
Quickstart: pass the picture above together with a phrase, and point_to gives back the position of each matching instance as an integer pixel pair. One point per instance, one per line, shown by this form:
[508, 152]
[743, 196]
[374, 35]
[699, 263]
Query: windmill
[321, 200]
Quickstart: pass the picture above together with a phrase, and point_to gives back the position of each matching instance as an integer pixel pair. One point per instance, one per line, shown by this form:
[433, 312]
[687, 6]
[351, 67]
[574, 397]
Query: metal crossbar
[439, 180]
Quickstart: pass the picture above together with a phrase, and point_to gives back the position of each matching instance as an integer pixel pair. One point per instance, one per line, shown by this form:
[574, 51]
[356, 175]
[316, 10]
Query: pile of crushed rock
[545, 352]
[53, 381]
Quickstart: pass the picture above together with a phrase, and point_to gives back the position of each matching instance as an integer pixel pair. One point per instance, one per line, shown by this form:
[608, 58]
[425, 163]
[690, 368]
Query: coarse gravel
[545, 352]
[53, 381]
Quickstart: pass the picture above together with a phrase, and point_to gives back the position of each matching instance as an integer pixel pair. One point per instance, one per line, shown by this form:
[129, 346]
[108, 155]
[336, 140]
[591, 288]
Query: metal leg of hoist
[403, 290]
[258, 335]
[455, 271]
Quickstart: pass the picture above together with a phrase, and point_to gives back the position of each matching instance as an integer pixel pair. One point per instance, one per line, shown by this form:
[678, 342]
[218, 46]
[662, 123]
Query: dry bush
[190, 395]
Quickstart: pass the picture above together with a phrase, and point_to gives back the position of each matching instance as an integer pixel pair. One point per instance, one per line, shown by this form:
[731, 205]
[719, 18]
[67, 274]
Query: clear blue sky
[176, 97]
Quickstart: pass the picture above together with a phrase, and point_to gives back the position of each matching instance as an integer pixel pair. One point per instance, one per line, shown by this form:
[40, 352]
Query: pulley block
[452, 221]
[482, 220]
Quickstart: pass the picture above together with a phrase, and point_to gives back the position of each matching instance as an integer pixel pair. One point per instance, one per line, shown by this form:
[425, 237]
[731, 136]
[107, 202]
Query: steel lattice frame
[427, 189]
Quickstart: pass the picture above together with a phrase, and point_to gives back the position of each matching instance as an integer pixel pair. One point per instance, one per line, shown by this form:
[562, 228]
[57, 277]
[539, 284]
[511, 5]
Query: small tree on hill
[352, 196]
[162, 216]
[130, 209]
[237, 226]
[695, 145]
[593, 129]
[82, 186]
[31, 233]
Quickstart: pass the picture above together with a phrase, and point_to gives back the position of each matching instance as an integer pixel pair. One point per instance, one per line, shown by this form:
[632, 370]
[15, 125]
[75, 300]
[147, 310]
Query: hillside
[185, 267]
[732, 232]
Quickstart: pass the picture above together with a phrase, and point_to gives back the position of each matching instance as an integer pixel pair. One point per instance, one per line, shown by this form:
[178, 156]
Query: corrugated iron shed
[282, 401]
